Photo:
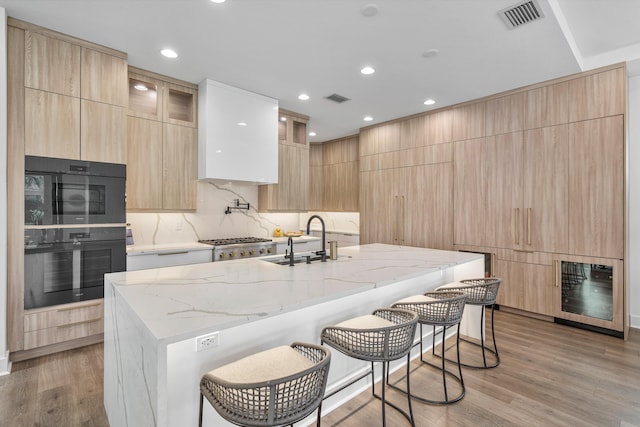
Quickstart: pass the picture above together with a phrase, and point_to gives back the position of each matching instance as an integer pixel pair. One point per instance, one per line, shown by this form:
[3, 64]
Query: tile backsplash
[210, 221]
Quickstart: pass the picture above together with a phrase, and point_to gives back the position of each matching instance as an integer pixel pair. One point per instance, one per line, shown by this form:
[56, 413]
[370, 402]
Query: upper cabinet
[340, 179]
[104, 78]
[51, 65]
[598, 95]
[162, 143]
[291, 193]
[237, 133]
[75, 98]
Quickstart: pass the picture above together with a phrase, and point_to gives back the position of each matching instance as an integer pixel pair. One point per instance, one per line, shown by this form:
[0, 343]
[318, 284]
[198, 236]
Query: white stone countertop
[337, 231]
[168, 247]
[177, 303]
[303, 238]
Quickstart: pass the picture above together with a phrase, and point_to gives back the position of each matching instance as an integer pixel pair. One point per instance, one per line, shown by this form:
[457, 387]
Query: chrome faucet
[323, 252]
[290, 255]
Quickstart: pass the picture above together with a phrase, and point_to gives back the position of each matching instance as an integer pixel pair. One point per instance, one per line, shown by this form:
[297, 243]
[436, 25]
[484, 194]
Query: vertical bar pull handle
[529, 226]
[401, 233]
[516, 224]
[395, 221]
[556, 272]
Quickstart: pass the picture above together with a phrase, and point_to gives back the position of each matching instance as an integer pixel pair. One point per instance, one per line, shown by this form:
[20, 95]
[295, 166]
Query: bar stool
[482, 292]
[385, 335]
[438, 309]
[272, 388]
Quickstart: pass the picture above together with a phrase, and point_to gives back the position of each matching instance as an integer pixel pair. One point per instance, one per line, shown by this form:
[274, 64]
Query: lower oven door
[61, 273]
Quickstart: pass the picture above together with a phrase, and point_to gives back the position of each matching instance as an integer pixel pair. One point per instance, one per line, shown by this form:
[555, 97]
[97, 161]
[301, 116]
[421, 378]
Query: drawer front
[42, 337]
[156, 260]
[71, 316]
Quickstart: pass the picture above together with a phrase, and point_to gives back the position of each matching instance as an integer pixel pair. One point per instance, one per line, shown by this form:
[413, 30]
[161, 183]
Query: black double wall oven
[75, 233]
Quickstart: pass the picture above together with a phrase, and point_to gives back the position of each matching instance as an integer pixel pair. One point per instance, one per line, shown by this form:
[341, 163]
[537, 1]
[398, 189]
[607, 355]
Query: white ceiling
[281, 48]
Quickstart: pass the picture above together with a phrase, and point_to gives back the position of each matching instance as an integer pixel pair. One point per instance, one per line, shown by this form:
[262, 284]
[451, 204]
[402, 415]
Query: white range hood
[237, 134]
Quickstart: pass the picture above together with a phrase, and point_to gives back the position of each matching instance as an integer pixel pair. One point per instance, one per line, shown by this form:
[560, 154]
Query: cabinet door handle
[516, 224]
[173, 253]
[556, 272]
[529, 226]
[395, 221]
[402, 219]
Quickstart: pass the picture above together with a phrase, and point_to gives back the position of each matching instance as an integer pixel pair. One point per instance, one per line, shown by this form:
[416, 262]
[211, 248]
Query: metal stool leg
[200, 416]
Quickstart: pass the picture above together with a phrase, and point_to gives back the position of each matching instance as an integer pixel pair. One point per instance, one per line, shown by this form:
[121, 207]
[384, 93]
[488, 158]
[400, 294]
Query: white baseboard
[634, 321]
[5, 365]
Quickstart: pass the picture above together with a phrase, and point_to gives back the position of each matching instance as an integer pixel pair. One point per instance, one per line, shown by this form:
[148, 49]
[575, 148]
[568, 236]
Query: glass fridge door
[590, 291]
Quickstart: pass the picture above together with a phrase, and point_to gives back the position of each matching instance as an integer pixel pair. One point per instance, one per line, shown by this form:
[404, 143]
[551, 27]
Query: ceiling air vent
[337, 98]
[521, 13]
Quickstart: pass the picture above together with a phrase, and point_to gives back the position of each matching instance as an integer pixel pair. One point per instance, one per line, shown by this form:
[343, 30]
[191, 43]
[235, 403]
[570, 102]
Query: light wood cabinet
[526, 286]
[104, 78]
[162, 143]
[180, 165]
[162, 165]
[316, 179]
[340, 180]
[51, 65]
[291, 193]
[596, 188]
[505, 114]
[468, 121]
[74, 98]
[511, 190]
[598, 95]
[144, 164]
[470, 176]
[52, 125]
[379, 207]
[62, 323]
[547, 106]
[103, 132]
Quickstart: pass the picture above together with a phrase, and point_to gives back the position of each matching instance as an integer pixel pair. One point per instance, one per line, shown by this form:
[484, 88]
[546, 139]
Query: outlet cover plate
[205, 342]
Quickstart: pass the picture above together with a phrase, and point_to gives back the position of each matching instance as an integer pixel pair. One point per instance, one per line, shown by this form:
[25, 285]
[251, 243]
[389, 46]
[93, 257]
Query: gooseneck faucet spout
[290, 243]
[323, 252]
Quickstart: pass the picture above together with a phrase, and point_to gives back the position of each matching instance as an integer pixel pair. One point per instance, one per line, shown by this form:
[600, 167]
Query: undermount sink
[298, 259]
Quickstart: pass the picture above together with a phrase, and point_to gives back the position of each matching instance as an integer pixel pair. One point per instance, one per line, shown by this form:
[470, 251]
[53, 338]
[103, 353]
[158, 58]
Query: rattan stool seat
[438, 309]
[275, 387]
[385, 335]
[482, 292]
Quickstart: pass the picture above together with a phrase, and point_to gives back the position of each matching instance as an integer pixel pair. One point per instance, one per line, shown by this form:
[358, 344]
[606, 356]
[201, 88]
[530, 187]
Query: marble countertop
[303, 238]
[177, 303]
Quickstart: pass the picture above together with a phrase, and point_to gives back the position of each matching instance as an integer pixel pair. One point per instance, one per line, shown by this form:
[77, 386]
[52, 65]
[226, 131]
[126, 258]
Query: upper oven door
[86, 199]
[38, 199]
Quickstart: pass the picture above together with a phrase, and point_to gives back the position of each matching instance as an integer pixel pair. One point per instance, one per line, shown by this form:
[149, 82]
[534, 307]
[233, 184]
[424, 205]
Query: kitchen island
[153, 318]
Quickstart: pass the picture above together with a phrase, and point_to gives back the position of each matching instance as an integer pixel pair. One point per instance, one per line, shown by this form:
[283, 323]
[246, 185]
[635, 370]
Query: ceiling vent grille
[337, 98]
[521, 13]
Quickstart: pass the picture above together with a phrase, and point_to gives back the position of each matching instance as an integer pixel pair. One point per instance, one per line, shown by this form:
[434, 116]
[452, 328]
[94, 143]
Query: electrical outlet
[179, 225]
[205, 342]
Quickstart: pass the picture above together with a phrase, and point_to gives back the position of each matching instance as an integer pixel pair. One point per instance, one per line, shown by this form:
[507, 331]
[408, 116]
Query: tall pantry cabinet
[67, 98]
[533, 178]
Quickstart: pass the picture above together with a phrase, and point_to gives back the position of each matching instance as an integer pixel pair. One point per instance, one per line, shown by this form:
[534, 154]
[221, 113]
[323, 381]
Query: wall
[4, 355]
[633, 237]
[210, 221]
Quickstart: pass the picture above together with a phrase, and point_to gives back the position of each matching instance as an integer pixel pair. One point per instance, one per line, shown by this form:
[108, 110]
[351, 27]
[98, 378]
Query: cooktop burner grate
[234, 241]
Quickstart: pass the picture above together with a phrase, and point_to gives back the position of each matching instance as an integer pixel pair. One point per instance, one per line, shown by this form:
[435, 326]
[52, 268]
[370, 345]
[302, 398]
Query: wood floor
[550, 375]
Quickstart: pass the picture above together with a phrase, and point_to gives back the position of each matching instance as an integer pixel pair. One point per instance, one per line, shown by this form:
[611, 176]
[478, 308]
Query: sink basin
[298, 259]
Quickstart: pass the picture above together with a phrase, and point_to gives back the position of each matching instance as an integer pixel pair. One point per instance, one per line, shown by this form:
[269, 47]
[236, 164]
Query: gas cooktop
[234, 241]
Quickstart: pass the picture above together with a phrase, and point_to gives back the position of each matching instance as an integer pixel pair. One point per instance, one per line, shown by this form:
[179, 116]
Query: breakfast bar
[155, 320]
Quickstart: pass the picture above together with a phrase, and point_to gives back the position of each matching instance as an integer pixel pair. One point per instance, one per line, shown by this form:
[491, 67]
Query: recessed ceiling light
[429, 102]
[283, 119]
[303, 97]
[169, 53]
[368, 70]
[218, 1]
[368, 118]
[430, 53]
[369, 10]
[141, 87]
[312, 134]
[241, 124]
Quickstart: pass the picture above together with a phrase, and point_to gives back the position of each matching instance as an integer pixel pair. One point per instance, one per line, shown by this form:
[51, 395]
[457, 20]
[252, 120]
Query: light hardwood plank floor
[550, 375]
